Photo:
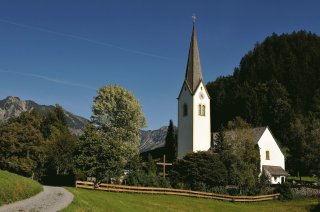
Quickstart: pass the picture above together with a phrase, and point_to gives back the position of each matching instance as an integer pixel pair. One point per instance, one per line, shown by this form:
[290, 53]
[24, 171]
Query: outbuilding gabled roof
[275, 170]
[257, 132]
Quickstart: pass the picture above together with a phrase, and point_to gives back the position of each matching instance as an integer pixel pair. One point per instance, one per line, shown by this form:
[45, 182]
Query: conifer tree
[171, 143]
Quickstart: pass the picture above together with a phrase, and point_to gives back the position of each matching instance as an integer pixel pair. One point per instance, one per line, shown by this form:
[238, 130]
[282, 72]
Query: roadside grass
[90, 200]
[304, 178]
[14, 187]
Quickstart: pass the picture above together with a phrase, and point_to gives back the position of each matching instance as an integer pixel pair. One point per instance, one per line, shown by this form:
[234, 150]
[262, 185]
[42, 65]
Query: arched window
[203, 110]
[185, 109]
[267, 155]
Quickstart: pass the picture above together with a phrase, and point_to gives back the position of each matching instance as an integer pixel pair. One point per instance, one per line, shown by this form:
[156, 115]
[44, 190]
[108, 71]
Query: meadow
[89, 200]
[304, 178]
[14, 187]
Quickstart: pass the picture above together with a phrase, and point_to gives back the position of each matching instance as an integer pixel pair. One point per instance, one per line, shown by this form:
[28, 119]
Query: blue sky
[62, 51]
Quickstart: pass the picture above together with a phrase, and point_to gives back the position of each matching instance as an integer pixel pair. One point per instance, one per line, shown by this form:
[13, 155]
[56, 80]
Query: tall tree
[118, 114]
[22, 146]
[241, 155]
[171, 143]
[219, 144]
[60, 142]
[100, 156]
[112, 140]
[311, 156]
[60, 152]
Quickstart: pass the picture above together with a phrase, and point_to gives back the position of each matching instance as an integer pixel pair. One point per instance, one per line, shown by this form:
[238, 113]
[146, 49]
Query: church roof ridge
[257, 131]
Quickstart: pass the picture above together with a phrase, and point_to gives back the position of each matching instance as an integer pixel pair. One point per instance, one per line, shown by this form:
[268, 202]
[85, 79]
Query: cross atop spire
[194, 18]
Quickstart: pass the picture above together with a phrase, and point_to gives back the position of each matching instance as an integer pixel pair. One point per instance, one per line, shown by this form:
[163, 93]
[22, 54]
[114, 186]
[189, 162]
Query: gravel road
[50, 199]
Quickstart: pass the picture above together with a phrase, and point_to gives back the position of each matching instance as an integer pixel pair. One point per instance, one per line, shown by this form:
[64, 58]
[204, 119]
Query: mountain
[153, 139]
[13, 106]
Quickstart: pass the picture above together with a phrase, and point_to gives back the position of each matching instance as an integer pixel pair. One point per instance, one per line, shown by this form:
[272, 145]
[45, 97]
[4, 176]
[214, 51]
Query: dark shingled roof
[275, 170]
[193, 72]
[257, 132]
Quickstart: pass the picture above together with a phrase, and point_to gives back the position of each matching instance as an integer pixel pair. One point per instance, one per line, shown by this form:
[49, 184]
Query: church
[194, 127]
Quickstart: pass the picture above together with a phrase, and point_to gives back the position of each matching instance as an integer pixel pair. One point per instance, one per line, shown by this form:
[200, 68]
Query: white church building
[194, 127]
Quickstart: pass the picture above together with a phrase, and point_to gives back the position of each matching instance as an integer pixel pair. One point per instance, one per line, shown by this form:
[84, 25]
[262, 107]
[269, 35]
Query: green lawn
[14, 187]
[304, 178]
[89, 200]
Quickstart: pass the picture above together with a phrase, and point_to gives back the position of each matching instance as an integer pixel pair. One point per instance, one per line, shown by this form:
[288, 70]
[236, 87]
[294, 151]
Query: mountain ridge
[153, 139]
[13, 106]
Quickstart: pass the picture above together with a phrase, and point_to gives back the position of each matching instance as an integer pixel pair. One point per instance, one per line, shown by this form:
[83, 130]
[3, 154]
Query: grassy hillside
[14, 187]
[88, 200]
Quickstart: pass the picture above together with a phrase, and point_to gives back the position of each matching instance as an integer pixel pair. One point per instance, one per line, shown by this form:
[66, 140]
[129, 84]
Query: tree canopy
[118, 113]
[110, 143]
[36, 145]
[277, 84]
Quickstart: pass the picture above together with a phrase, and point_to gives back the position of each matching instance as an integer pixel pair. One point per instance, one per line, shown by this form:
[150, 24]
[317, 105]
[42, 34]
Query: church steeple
[193, 106]
[193, 72]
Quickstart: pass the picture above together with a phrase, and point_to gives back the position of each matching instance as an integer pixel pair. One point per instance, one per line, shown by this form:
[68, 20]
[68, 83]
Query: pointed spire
[193, 72]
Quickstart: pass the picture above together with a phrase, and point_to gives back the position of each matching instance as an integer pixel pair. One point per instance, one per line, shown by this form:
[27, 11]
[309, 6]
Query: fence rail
[180, 192]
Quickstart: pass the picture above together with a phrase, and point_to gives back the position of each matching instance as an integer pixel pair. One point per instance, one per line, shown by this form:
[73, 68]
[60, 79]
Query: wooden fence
[180, 192]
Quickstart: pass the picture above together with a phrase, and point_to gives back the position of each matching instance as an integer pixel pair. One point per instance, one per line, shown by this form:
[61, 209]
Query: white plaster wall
[185, 132]
[201, 124]
[276, 180]
[267, 143]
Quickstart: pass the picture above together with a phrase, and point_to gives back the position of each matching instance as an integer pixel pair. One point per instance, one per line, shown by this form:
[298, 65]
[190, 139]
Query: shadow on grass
[316, 208]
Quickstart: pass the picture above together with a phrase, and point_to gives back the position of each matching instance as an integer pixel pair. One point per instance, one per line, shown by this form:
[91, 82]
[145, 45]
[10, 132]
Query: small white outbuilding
[272, 160]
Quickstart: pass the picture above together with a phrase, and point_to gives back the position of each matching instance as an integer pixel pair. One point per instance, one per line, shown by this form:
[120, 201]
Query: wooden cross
[164, 164]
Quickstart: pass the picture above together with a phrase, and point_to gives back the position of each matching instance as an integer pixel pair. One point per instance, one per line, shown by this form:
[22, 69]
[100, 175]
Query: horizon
[58, 52]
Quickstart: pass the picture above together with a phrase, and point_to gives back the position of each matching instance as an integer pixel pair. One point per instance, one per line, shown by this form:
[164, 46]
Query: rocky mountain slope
[153, 139]
[13, 106]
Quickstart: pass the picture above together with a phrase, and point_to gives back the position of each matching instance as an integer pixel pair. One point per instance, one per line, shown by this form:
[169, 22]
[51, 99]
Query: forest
[277, 84]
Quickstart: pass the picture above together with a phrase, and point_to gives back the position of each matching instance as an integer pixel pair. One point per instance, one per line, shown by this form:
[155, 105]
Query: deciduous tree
[112, 140]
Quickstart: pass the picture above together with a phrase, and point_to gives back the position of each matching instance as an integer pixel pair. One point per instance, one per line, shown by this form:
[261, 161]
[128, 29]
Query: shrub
[219, 190]
[141, 178]
[285, 191]
[145, 174]
[199, 171]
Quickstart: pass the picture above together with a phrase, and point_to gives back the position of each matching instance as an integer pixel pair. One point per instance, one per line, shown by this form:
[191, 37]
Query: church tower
[193, 106]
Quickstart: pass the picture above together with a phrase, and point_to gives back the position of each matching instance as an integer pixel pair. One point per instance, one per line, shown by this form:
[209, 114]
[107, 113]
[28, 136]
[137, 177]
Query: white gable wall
[193, 129]
[268, 143]
[185, 132]
[201, 124]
